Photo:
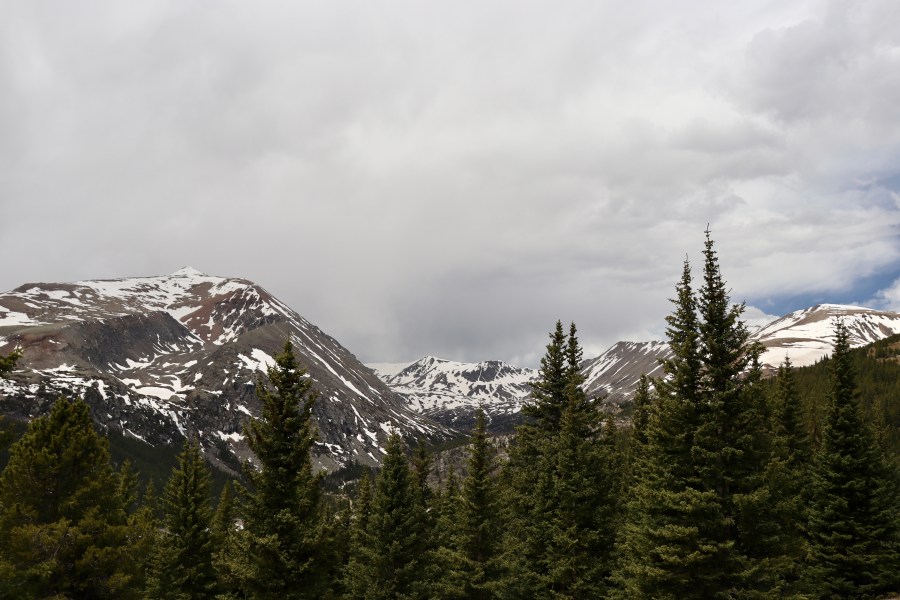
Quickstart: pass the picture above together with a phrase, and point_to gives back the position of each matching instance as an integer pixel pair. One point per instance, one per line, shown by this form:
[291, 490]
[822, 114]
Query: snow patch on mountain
[806, 336]
[450, 391]
[190, 348]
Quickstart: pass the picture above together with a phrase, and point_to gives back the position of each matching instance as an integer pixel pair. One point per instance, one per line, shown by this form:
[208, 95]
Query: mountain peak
[188, 272]
[179, 355]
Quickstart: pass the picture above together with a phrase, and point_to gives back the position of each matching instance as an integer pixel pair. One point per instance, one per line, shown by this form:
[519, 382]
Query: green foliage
[562, 485]
[789, 476]
[224, 517]
[853, 523]
[699, 521]
[877, 376]
[183, 566]
[8, 362]
[468, 525]
[63, 513]
[387, 558]
[280, 552]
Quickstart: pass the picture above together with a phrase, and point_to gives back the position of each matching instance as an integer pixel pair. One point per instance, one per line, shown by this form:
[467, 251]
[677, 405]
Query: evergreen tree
[640, 418]
[63, 523]
[578, 557]
[389, 564]
[144, 529]
[699, 521]
[223, 518]
[421, 468]
[8, 362]
[280, 551]
[790, 421]
[664, 554]
[549, 391]
[529, 473]
[447, 508]
[562, 486]
[478, 528]
[789, 475]
[853, 527]
[362, 509]
[184, 564]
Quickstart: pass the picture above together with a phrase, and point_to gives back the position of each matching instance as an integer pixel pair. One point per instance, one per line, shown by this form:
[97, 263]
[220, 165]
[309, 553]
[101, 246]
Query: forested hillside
[725, 486]
[877, 369]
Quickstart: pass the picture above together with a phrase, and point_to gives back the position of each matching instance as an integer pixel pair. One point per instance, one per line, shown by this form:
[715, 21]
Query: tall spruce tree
[664, 553]
[184, 565]
[63, 521]
[223, 518]
[699, 523]
[561, 486]
[853, 524]
[549, 392]
[389, 562]
[448, 575]
[528, 475]
[280, 551]
[478, 529]
[790, 475]
[362, 508]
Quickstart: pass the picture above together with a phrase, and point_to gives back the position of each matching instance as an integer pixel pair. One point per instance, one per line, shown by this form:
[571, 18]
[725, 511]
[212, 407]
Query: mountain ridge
[803, 335]
[185, 351]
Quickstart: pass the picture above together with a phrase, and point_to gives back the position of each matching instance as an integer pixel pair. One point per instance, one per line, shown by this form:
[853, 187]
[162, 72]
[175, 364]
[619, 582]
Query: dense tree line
[724, 486]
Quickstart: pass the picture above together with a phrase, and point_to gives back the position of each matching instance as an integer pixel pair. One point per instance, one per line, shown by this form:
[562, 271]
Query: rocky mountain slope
[614, 374]
[449, 392]
[164, 357]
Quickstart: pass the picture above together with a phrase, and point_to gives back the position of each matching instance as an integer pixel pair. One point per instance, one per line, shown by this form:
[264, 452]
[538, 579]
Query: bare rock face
[160, 358]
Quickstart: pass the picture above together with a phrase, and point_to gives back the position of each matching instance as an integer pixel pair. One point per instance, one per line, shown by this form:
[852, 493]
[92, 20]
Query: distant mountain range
[449, 391]
[163, 357]
[160, 358]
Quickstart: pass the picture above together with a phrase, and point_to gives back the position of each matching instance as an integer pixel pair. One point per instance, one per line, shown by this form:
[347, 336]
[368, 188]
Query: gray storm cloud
[437, 178]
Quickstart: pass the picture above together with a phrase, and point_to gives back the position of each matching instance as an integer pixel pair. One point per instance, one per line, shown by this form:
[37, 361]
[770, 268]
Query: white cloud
[887, 298]
[756, 318]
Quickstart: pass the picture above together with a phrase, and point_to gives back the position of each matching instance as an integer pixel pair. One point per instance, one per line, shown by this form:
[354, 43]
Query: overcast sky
[450, 178]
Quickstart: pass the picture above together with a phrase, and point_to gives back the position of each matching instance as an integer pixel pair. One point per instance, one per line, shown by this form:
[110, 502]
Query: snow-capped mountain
[162, 357]
[449, 391]
[614, 374]
[806, 335]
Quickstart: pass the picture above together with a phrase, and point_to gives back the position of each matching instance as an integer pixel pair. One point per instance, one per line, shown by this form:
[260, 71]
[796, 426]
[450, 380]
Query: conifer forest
[723, 483]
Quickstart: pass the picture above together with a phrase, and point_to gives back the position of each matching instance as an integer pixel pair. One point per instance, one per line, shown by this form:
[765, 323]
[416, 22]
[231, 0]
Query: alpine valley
[161, 358]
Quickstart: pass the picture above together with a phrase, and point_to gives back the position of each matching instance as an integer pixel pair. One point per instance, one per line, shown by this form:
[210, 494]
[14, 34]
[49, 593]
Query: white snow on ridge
[437, 384]
[257, 361]
[157, 392]
[806, 336]
[10, 318]
[386, 370]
